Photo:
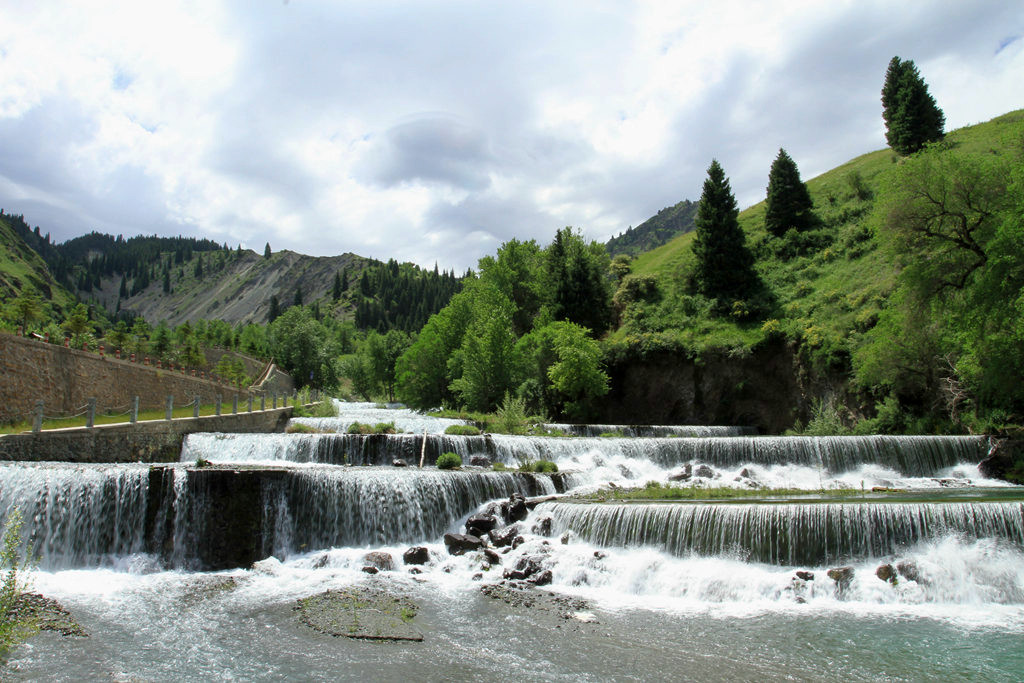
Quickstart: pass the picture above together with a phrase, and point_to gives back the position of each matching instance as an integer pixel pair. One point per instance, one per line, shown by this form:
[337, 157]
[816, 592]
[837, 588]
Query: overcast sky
[434, 131]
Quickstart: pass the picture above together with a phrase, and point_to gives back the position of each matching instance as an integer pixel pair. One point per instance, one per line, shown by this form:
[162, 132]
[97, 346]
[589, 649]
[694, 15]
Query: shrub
[448, 461]
[539, 466]
[462, 430]
[299, 428]
[384, 428]
[14, 627]
[498, 467]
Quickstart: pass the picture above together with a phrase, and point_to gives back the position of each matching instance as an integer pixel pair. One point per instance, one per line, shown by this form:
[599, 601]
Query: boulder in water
[398, 462]
[368, 569]
[1001, 460]
[458, 544]
[478, 525]
[517, 541]
[504, 537]
[492, 557]
[270, 566]
[543, 526]
[805, 576]
[416, 555]
[843, 576]
[886, 572]
[517, 510]
[704, 471]
[565, 538]
[683, 474]
[542, 578]
[480, 461]
[909, 570]
[379, 559]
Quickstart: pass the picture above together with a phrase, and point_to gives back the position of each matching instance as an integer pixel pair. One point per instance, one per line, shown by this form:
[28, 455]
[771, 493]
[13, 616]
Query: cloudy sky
[434, 131]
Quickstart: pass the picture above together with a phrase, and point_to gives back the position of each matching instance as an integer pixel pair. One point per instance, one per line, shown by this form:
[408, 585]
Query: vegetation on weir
[657, 491]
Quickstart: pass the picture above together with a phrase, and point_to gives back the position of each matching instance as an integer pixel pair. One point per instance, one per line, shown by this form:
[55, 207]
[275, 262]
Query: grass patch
[365, 428]
[462, 430]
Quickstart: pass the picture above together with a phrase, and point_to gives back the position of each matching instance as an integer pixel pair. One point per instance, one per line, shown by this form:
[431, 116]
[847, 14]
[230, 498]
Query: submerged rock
[480, 461]
[416, 555]
[47, 614]
[398, 462]
[366, 613]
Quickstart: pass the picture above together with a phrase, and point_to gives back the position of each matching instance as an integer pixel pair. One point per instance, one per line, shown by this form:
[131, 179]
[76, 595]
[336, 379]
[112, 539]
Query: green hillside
[829, 290]
[21, 267]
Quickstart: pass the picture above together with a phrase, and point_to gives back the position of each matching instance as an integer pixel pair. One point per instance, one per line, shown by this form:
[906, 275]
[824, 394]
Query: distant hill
[657, 230]
[229, 285]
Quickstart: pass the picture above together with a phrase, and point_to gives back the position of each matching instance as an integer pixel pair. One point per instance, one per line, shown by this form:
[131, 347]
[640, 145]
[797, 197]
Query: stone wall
[765, 389]
[64, 379]
[150, 441]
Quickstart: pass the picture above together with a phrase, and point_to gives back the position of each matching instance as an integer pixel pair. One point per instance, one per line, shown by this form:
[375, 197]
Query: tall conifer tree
[912, 118]
[725, 267]
[789, 203]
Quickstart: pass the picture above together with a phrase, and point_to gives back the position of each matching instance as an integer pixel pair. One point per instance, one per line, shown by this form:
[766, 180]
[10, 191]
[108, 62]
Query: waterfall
[324, 508]
[909, 455]
[78, 515]
[790, 534]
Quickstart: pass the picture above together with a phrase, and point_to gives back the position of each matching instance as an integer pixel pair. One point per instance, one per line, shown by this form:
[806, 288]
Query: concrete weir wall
[151, 441]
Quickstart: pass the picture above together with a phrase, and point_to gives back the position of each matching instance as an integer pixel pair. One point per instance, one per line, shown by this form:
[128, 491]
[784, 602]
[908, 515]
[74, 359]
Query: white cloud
[434, 131]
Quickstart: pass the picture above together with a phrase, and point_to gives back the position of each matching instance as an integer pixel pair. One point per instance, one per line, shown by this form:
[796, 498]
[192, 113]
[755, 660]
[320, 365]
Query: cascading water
[78, 515]
[908, 455]
[731, 569]
[787, 534]
[374, 413]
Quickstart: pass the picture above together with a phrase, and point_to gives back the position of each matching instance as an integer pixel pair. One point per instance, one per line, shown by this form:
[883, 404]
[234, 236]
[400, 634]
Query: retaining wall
[151, 441]
[64, 379]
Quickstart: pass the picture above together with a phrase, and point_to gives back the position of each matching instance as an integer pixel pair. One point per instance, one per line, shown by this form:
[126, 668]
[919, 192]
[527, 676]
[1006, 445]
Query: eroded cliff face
[767, 389]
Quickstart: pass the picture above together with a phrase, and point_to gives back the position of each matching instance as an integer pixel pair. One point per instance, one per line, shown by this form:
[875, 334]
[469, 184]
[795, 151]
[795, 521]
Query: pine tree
[275, 309]
[789, 203]
[725, 267]
[266, 251]
[336, 289]
[912, 118]
[297, 301]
